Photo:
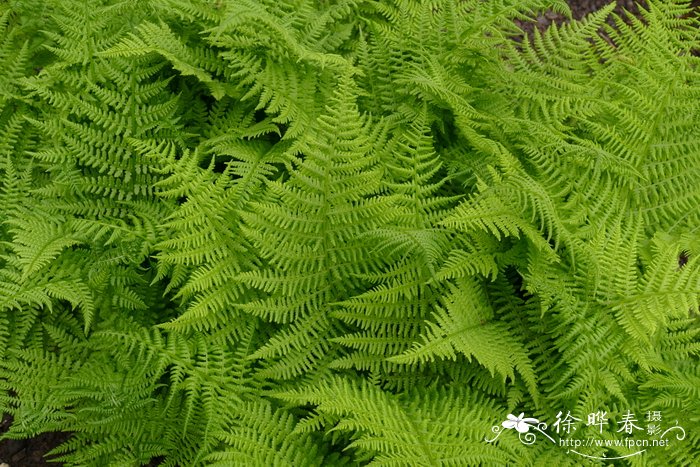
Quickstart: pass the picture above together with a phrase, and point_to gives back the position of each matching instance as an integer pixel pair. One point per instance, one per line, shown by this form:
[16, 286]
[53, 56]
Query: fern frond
[308, 233]
[441, 426]
[160, 39]
[264, 436]
[465, 325]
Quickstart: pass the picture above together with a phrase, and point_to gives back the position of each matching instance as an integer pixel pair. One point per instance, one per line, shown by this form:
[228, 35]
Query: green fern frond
[346, 232]
[441, 426]
[308, 232]
[264, 436]
[466, 326]
[160, 39]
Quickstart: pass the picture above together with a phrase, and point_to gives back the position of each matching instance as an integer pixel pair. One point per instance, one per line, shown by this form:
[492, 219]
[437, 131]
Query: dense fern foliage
[348, 232]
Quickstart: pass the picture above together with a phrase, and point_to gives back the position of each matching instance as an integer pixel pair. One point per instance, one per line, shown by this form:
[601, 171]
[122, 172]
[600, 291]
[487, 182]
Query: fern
[400, 430]
[347, 232]
[308, 235]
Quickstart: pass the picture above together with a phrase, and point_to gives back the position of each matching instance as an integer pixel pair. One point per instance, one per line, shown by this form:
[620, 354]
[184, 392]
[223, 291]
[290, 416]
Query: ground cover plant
[349, 232]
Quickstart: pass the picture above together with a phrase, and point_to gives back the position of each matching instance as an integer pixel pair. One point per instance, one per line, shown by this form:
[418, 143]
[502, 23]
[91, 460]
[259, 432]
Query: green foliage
[345, 232]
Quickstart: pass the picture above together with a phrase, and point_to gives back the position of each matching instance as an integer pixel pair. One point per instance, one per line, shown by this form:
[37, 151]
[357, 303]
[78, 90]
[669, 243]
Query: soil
[581, 8]
[27, 452]
[30, 452]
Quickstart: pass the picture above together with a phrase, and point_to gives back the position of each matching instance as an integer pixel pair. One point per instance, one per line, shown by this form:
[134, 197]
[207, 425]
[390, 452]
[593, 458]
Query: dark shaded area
[581, 8]
[30, 452]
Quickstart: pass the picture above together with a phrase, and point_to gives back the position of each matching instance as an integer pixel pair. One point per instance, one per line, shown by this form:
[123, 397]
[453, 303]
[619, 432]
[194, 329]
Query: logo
[578, 436]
